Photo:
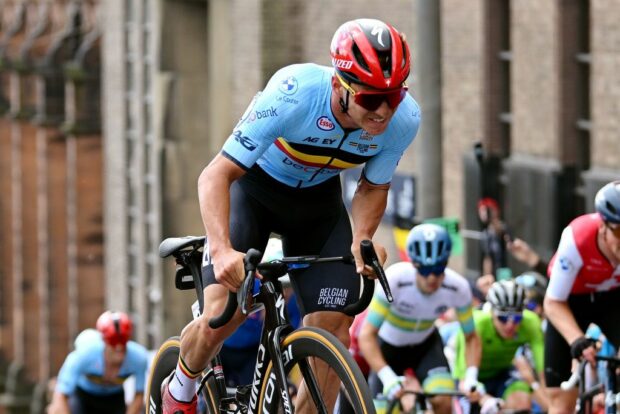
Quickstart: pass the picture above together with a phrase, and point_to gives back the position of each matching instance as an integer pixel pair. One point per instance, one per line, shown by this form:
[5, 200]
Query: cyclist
[402, 335]
[583, 289]
[278, 171]
[91, 378]
[504, 326]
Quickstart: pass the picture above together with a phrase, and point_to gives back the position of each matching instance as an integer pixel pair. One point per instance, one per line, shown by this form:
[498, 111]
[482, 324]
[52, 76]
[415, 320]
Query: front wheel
[304, 348]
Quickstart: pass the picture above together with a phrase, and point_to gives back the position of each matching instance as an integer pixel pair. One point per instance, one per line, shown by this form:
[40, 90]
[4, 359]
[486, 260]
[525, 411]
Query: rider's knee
[211, 337]
[442, 404]
[519, 400]
[334, 322]
[561, 402]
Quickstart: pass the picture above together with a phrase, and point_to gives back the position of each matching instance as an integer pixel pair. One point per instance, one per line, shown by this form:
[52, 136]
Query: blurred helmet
[370, 52]
[429, 245]
[506, 296]
[532, 282]
[488, 202]
[607, 202]
[115, 327]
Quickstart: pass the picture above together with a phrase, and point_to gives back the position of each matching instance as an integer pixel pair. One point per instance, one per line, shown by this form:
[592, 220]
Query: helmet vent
[611, 207]
[359, 57]
[429, 247]
[416, 247]
[384, 62]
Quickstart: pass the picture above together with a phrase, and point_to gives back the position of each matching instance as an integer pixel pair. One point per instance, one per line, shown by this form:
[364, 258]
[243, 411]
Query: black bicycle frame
[275, 327]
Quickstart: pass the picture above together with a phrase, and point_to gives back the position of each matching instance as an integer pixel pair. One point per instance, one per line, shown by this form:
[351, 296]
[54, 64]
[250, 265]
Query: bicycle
[281, 347]
[586, 393]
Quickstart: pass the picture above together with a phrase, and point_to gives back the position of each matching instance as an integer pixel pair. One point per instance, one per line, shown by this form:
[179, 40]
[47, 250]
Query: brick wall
[605, 88]
[534, 80]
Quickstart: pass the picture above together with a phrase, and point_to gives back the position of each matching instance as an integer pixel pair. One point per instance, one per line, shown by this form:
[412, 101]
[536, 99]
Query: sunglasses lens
[426, 271]
[396, 97]
[371, 101]
[514, 317]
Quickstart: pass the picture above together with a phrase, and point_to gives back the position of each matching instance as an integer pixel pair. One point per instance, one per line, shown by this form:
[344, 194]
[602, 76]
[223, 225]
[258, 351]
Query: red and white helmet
[372, 53]
[115, 327]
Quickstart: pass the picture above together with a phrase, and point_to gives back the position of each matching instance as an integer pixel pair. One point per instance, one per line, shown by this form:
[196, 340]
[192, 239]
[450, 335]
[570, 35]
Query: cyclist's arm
[367, 208]
[560, 315]
[59, 404]
[473, 349]
[135, 407]
[465, 316]
[369, 345]
[567, 263]
[214, 197]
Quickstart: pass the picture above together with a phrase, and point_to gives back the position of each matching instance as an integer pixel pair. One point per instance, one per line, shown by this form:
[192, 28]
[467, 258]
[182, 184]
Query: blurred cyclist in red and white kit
[583, 289]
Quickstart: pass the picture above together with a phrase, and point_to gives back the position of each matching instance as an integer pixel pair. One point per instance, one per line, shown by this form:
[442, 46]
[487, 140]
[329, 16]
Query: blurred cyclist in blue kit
[92, 376]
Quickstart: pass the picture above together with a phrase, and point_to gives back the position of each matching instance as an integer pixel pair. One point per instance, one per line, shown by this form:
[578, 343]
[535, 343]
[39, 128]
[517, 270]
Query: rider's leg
[517, 394]
[433, 370]
[200, 343]
[338, 324]
[562, 402]
[518, 400]
[442, 404]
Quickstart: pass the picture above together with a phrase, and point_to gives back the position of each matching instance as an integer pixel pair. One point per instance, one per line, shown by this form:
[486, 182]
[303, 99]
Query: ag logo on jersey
[325, 123]
[289, 86]
[245, 141]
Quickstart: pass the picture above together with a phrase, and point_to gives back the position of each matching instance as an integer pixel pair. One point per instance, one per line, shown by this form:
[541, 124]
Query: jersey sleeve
[262, 122]
[69, 374]
[378, 309]
[465, 315]
[536, 339]
[380, 168]
[565, 267]
[459, 366]
[462, 302]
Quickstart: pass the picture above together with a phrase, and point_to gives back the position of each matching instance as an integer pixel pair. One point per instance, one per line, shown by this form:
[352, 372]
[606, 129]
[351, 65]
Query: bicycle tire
[164, 362]
[307, 343]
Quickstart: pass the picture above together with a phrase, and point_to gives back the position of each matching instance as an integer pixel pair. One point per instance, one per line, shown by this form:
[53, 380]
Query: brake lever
[370, 257]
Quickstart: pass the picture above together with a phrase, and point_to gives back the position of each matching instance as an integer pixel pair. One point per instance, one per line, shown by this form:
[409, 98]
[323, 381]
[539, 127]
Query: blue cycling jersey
[84, 368]
[289, 130]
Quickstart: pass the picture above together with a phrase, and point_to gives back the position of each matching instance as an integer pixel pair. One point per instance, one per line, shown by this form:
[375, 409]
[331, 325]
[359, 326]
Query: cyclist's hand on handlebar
[228, 268]
[583, 347]
[360, 267]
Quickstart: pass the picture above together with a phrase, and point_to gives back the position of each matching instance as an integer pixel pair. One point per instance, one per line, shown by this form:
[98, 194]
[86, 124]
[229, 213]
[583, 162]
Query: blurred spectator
[483, 283]
[495, 235]
[524, 253]
[92, 376]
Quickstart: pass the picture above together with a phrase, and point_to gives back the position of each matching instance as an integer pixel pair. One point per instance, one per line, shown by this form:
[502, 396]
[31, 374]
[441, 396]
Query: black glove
[578, 346]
